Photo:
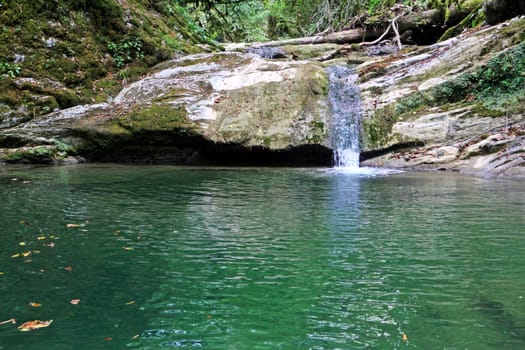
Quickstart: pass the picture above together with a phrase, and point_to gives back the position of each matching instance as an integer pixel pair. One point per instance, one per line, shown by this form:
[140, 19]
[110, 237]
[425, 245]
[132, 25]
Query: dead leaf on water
[32, 325]
[130, 303]
[24, 254]
[68, 268]
[108, 339]
[128, 248]
[41, 238]
[33, 304]
[15, 255]
[404, 337]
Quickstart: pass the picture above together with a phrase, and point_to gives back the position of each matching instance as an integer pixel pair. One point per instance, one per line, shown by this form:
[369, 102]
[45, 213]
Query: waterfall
[344, 100]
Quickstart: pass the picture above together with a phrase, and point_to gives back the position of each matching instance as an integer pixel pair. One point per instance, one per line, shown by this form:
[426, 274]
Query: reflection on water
[168, 257]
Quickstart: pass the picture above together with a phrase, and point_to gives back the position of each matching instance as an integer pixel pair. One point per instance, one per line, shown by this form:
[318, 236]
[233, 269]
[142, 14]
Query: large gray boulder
[190, 106]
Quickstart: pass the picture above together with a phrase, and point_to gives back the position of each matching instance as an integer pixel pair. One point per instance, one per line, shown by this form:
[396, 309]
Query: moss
[515, 30]
[66, 41]
[497, 86]
[412, 102]
[154, 117]
[473, 19]
[38, 154]
[317, 132]
[377, 129]
[483, 111]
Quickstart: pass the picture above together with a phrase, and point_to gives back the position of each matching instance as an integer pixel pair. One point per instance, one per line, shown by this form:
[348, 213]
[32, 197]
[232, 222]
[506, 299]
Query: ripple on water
[264, 258]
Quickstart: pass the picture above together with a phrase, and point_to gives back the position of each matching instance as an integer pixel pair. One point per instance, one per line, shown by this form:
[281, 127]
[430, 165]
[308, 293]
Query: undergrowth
[499, 85]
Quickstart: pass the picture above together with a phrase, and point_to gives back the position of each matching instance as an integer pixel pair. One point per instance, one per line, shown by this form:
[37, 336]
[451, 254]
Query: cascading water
[344, 100]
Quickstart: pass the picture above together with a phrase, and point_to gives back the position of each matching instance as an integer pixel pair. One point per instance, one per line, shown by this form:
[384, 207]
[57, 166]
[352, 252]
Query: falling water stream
[344, 101]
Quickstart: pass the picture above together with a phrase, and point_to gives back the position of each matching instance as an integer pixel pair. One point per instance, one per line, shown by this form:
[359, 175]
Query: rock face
[241, 99]
[456, 105]
[497, 11]
[201, 106]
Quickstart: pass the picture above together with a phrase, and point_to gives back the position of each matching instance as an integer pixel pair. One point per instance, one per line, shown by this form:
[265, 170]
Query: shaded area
[394, 148]
[186, 148]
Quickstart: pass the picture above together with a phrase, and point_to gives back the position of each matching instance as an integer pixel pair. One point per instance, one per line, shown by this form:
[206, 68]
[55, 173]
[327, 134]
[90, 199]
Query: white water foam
[344, 99]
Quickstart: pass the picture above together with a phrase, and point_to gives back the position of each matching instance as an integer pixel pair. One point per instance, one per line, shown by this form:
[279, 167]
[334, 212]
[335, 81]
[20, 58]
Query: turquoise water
[169, 257]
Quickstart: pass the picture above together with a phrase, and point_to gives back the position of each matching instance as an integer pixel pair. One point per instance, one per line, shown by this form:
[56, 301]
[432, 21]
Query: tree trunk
[343, 37]
[424, 27]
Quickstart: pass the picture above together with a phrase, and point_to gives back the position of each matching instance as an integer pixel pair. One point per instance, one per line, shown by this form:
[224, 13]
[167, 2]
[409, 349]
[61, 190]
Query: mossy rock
[42, 154]
[67, 42]
[140, 125]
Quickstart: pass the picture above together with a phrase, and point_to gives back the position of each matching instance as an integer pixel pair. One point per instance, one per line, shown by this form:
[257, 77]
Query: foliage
[125, 51]
[495, 86]
[502, 80]
[257, 20]
[40, 154]
[236, 21]
[76, 50]
[11, 70]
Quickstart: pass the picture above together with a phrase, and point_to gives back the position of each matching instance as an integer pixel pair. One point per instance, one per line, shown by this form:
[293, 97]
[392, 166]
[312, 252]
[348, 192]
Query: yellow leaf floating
[32, 304]
[41, 238]
[15, 255]
[128, 248]
[404, 337]
[24, 254]
[130, 303]
[32, 325]
[22, 244]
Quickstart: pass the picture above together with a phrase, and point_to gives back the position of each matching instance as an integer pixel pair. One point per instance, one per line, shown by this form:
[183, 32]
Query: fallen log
[342, 37]
[426, 27]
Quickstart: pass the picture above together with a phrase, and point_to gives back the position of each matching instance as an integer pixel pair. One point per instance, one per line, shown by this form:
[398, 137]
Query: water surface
[170, 257]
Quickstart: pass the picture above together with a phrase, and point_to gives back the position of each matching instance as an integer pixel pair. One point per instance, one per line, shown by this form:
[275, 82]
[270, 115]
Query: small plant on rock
[11, 70]
[125, 51]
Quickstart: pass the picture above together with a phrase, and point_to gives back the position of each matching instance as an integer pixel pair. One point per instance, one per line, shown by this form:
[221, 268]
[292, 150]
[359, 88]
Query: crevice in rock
[394, 148]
